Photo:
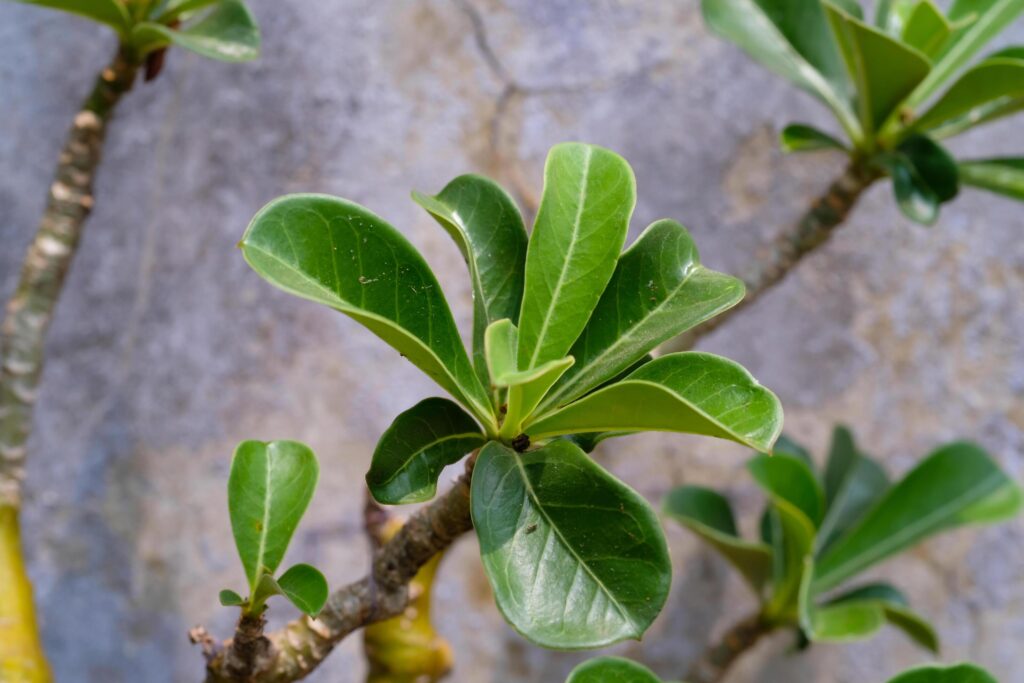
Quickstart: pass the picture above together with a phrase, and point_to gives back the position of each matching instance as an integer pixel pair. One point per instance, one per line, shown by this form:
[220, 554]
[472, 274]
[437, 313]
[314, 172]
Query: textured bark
[826, 214]
[297, 649]
[715, 661]
[30, 309]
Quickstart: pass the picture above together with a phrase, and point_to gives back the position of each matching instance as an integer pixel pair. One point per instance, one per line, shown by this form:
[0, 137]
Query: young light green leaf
[690, 392]
[486, 225]
[789, 478]
[659, 290]
[929, 499]
[229, 598]
[501, 344]
[589, 195]
[895, 609]
[420, 443]
[799, 137]
[1004, 176]
[269, 488]
[113, 13]
[525, 391]
[709, 515]
[337, 253]
[792, 539]
[927, 30]
[853, 483]
[840, 622]
[227, 32]
[958, 673]
[181, 8]
[306, 587]
[611, 670]
[791, 38]
[883, 69]
[575, 557]
[992, 81]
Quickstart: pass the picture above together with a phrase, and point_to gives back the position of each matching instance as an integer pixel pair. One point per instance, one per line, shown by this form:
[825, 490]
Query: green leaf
[851, 7]
[269, 487]
[1004, 176]
[958, 673]
[895, 609]
[883, 12]
[789, 478]
[113, 13]
[589, 194]
[501, 344]
[709, 515]
[659, 290]
[792, 539]
[227, 32]
[992, 81]
[883, 70]
[916, 199]
[229, 598]
[174, 10]
[928, 30]
[420, 443]
[993, 17]
[934, 165]
[853, 483]
[486, 225]
[799, 137]
[791, 38]
[306, 587]
[690, 392]
[611, 670]
[786, 445]
[930, 499]
[575, 557]
[337, 253]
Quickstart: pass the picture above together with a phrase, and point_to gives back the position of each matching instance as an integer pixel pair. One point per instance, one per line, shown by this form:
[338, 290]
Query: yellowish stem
[21, 652]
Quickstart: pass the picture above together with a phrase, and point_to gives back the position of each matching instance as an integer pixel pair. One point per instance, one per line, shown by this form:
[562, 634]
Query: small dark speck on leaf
[530, 529]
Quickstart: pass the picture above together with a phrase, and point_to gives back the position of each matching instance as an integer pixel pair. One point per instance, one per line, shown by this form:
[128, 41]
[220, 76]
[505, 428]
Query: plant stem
[22, 335]
[826, 214]
[716, 659]
[297, 649]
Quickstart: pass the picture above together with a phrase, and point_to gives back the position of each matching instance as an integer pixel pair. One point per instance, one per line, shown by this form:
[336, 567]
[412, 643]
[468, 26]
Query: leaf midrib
[265, 526]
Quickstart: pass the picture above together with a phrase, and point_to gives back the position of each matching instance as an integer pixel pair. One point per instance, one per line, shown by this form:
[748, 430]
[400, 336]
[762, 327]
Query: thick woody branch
[296, 650]
[715, 661]
[826, 215]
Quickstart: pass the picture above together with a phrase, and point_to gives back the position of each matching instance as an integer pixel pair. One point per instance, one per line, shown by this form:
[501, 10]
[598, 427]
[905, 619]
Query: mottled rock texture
[167, 350]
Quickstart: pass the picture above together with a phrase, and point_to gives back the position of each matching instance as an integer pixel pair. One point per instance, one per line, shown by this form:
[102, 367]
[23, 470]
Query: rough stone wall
[167, 350]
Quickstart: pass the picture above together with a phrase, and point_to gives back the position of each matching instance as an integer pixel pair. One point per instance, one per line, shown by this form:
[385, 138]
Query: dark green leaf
[589, 194]
[227, 32]
[895, 610]
[659, 290]
[993, 81]
[576, 558]
[337, 253]
[927, 29]
[306, 587]
[851, 7]
[611, 670]
[268, 490]
[933, 164]
[883, 70]
[689, 392]
[799, 137]
[420, 443]
[486, 225]
[852, 483]
[958, 673]
[709, 515]
[786, 445]
[110, 12]
[790, 478]
[916, 199]
[230, 598]
[930, 499]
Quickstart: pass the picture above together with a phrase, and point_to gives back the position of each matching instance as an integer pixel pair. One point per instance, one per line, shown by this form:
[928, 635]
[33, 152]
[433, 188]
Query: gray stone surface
[167, 350]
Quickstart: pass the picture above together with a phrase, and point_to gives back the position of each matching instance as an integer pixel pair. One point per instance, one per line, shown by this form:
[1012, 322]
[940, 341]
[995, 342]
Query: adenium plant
[821, 530]
[897, 86]
[563, 324]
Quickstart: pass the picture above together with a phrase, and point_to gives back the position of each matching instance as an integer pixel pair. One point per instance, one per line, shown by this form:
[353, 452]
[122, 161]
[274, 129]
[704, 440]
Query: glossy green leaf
[337, 253]
[927, 30]
[113, 13]
[934, 165]
[958, 673]
[895, 609]
[229, 598]
[789, 478]
[611, 670]
[930, 499]
[792, 539]
[269, 488]
[659, 290]
[852, 483]
[799, 137]
[501, 345]
[791, 38]
[588, 198]
[420, 443]
[1004, 176]
[994, 80]
[690, 392]
[305, 587]
[709, 515]
[226, 32]
[917, 201]
[575, 557]
[883, 70]
[486, 225]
